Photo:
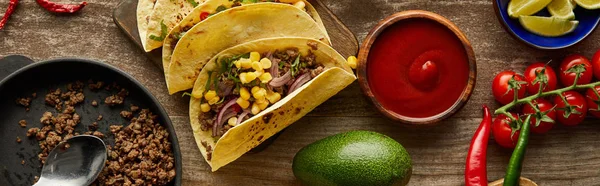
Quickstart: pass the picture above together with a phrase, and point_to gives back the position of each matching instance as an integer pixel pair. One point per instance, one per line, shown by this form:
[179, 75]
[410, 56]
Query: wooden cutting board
[343, 40]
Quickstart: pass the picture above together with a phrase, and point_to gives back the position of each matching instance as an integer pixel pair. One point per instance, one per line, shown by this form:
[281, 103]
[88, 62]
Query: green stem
[504, 109]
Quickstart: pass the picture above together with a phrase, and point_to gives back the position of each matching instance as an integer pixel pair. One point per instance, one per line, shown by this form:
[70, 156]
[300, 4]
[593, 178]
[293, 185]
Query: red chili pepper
[61, 8]
[476, 170]
[11, 8]
[204, 15]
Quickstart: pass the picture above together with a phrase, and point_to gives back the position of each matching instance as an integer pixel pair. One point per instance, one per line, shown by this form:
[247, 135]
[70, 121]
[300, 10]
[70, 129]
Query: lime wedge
[548, 26]
[518, 8]
[589, 4]
[562, 9]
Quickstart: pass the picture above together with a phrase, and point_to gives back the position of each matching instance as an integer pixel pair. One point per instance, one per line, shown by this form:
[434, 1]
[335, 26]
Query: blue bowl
[588, 20]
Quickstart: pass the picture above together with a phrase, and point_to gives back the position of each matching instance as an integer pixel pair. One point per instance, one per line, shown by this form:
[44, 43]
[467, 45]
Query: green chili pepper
[513, 171]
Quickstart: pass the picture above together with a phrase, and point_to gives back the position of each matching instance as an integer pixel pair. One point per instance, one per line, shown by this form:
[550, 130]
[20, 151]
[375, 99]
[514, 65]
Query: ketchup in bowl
[418, 68]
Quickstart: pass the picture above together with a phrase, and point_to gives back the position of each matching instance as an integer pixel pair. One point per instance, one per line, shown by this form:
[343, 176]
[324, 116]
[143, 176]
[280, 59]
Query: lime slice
[518, 8]
[589, 4]
[548, 26]
[562, 9]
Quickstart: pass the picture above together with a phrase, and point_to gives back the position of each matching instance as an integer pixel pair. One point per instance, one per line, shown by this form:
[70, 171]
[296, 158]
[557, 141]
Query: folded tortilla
[210, 8]
[157, 17]
[255, 130]
[232, 27]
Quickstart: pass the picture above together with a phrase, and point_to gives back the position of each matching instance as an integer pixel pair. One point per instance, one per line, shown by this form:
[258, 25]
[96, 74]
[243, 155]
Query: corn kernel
[266, 63]
[214, 100]
[205, 107]
[243, 103]
[257, 66]
[265, 78]
[232, 121]
[244, 94]
[254, 56]
[210, 95]
[300, 5]
[261, 101]
[245, 63]
[259, 73]
[247, 77]
[238, 64]
[352, 62]
[197, 94]
[255, 109]
[273, 97]
[263, 105]
[255, 89]
[260, 94]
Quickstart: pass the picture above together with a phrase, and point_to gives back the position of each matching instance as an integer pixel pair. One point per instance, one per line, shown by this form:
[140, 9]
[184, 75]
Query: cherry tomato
[544, 106]
[530, 76]
[591, 98]
[502, 131]
[578, 103]
[568, 78]
[501, 88]
[596, 64]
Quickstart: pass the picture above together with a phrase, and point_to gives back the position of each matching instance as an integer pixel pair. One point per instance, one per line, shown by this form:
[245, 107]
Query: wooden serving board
[343, 40]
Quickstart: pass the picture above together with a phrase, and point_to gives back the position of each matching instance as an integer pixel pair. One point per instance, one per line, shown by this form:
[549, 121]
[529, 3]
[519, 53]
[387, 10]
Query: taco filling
[243, 86]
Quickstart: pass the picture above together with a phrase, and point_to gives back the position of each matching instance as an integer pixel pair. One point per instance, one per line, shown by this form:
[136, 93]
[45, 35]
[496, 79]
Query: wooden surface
[565, 156]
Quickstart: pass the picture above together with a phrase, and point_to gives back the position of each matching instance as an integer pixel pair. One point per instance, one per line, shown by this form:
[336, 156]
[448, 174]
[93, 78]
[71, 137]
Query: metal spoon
[77, 162]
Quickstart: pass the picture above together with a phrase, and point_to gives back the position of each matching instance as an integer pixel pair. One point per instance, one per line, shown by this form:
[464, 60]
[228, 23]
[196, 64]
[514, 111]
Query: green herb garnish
[186, 94]
[163, 32]
[193, 2]
[207, 86]
[295, 66]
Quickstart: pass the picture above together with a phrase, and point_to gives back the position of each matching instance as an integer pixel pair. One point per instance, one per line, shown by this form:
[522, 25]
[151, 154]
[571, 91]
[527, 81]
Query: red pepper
[204, 15]
[61, 8]
[11, 8]
[476, 170]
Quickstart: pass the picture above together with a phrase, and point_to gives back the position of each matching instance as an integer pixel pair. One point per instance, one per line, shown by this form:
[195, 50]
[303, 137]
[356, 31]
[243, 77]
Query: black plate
[40, 78]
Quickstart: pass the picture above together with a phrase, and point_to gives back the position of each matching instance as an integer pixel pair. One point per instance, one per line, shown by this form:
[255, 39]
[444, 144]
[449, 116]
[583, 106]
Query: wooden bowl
[395, 19]
[522, 182]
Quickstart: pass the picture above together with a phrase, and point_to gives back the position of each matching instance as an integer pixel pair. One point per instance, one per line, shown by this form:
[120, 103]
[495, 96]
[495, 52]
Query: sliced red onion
[280, 81]
[241, 117]
[218, 123]
[299, 82]
[274, 67]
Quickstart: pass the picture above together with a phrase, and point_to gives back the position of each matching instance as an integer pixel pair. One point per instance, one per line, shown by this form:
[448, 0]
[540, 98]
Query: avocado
[353, 158]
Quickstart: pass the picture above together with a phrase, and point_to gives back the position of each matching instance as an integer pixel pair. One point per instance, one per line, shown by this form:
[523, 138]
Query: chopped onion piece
[299, 82]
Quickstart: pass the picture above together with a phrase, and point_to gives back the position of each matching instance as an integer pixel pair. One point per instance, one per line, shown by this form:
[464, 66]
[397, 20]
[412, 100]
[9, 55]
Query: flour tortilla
[170, 13]
[232, 27]
[250, 133]
[144, 9]
[210, 6]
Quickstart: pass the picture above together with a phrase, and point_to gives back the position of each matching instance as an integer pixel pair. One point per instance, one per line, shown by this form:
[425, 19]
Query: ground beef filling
[142, 152]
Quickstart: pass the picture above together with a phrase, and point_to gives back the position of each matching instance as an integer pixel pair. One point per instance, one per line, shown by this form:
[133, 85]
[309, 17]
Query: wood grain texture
[565, 156]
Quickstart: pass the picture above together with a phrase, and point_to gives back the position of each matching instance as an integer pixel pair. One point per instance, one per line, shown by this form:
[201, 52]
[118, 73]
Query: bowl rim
[416, 14]
[527, 43]
[160, 109]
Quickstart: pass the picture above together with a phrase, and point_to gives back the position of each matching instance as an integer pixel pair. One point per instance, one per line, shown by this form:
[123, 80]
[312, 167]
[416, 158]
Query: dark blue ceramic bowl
[588, 20]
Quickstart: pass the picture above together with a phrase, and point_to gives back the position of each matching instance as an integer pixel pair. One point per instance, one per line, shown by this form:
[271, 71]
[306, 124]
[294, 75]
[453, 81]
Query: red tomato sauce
[417, 68]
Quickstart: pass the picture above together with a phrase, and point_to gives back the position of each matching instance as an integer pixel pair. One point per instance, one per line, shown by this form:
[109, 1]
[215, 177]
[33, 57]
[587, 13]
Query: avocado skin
[354, 158]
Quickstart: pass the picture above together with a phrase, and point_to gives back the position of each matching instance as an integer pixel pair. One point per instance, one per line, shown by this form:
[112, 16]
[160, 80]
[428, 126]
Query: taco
[232, 27]
[157, 17]
[250, 92]
[212, 7]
